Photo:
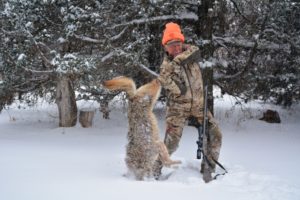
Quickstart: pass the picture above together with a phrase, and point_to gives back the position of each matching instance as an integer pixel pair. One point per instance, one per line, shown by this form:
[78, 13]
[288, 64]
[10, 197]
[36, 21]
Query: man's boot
[206, 172]
[207, 168]
[207, 176]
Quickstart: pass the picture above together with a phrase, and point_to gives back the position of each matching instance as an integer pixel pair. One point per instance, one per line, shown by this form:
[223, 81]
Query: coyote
[144, 145]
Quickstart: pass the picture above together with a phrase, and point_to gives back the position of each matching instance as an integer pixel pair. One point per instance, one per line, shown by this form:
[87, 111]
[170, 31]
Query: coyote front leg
[164, 155]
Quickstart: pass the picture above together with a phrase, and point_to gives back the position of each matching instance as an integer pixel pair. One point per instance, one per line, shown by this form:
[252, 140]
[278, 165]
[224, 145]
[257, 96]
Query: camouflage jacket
[182, 80]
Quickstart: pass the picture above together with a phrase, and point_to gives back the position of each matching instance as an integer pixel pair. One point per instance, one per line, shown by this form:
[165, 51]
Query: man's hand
[180, 58]
[181, 87]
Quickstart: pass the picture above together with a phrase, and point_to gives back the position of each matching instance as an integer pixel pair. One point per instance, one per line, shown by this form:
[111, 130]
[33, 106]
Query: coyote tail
[121, 83]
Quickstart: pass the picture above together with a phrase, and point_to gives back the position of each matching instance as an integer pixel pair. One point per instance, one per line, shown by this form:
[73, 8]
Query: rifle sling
[217, 163]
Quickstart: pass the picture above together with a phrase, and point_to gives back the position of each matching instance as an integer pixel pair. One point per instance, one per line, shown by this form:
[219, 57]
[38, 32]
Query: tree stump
[86, 117]
[271, 116]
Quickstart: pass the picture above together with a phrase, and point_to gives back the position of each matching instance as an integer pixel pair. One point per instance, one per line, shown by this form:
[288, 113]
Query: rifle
[202, 128]
[203, 132]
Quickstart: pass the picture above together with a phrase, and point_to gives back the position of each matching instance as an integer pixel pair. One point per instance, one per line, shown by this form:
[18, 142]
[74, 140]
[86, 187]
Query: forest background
[61, 50]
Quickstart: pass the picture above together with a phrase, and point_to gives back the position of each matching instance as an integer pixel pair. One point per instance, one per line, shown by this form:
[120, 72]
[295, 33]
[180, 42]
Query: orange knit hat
[172, 32]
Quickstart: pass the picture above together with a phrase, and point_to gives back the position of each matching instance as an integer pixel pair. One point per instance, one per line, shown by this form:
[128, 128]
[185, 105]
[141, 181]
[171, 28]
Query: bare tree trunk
[205, 29]
[221, 16]
[204, 24]
[66, 102]
[207, 74]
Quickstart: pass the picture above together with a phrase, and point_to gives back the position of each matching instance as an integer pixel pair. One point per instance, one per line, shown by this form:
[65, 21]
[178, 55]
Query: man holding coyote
[181, 77]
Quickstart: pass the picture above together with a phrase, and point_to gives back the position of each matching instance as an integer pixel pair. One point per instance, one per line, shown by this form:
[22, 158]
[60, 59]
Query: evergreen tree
[42, 50]
[259, 56]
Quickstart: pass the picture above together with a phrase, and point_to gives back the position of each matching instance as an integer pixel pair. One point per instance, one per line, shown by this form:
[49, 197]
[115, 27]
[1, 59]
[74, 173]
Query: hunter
[180, 76]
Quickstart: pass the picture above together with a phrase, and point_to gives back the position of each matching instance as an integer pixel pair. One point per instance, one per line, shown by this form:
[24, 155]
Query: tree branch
[252, 54]
[88, 39]
[250, 44]
[35, 83]
[239, 12]
[148, 71]
[116, 37]
[44, 58]
[190, 15]
[13, 33]
[39, 72]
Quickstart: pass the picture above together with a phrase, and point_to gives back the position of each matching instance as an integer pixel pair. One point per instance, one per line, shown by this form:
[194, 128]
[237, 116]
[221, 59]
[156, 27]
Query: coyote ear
[147, 98]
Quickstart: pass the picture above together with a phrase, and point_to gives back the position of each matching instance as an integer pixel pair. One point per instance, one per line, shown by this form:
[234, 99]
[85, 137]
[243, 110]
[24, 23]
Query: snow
[7, 9]
[28, 24]
[21, 57]
[70, 56]
[61, 40]
[206, 64]
[38, 160]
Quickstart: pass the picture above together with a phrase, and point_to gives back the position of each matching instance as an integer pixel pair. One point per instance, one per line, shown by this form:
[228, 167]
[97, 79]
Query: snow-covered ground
[39, 161]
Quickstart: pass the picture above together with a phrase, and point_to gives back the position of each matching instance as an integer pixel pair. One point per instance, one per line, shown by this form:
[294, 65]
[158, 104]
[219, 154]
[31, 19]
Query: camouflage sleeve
[166, 78]
[191, 54]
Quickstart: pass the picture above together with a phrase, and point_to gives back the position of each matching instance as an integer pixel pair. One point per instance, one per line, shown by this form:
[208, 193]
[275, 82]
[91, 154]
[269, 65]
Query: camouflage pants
[176, 119]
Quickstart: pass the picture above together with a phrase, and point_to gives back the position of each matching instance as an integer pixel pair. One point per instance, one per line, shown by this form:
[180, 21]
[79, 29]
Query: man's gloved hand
[180, 58]
[181, 87]
[188, 56]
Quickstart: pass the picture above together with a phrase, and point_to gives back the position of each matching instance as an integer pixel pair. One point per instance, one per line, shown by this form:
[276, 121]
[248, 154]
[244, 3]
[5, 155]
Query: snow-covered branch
[44, 46]
[262, 45]
[30, 84]
[108, 56]
[111, 54]
[38, 72]
[87, 39]
[44, 58]
[116, 37]
[251, 56]
[12, 33]
[190, 15]
[149, 71]
[284, 37]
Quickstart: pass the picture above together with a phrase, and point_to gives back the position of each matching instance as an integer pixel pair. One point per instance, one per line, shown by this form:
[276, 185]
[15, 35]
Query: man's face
[174, 48]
